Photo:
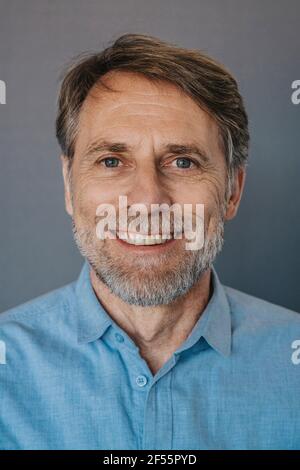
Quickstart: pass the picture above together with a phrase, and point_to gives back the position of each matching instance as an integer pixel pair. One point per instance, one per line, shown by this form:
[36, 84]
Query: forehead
[137, 107]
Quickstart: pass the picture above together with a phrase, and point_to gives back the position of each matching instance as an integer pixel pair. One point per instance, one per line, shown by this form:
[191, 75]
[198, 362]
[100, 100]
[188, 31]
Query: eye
[183, 162]
[110, 162]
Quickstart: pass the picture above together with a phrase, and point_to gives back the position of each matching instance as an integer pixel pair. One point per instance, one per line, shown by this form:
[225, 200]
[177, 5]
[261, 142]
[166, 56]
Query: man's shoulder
[52, 303]
[255, 315]
[258, 307]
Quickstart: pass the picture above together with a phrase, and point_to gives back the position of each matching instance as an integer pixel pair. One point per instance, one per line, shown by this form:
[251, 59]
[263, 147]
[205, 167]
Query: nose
[148, 187]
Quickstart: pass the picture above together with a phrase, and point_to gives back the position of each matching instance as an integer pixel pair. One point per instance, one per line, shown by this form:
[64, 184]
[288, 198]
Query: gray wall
[258, 40]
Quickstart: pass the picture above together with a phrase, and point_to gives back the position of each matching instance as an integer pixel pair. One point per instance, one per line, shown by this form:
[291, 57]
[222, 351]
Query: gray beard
[144, 283]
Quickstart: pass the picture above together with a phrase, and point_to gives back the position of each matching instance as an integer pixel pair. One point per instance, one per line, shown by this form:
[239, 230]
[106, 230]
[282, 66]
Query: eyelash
[177, 158]
[102, 160]
[195, 163]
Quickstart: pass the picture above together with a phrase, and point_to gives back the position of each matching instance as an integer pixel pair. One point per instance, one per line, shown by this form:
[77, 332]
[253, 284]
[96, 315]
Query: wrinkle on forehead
[160, 100]
[136, 89]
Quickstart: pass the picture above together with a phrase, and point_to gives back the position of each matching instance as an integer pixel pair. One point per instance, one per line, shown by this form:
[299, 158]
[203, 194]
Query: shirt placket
[152, 396]
[158, 415]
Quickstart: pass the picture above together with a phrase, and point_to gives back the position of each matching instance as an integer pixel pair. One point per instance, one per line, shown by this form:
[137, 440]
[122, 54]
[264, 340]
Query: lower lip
[147, 248]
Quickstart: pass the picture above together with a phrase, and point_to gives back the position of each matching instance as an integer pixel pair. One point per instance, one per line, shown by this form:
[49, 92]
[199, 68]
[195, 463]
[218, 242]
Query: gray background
[257, 40]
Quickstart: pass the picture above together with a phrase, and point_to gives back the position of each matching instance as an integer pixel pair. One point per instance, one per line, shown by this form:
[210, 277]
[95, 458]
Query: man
[147, 349]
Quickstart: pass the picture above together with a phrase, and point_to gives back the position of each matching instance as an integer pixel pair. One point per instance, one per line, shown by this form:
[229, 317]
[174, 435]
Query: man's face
[151, 123]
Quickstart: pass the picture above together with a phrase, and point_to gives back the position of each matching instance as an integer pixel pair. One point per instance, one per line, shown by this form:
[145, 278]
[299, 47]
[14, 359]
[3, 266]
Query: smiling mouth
[141, 239]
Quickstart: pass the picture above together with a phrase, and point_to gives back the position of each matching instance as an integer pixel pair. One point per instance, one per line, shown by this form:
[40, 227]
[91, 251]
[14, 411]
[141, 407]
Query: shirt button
[119, 338]
[141, 380]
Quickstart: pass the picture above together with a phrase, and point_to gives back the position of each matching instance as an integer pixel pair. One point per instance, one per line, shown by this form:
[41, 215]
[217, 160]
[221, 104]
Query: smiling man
[147, 349]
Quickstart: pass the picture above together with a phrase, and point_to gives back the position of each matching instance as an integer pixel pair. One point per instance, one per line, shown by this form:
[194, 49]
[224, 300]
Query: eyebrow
[121, 147]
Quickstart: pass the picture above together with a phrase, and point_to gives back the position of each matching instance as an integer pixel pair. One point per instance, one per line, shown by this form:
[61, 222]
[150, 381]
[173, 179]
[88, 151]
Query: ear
[66, 175]
[236, 193]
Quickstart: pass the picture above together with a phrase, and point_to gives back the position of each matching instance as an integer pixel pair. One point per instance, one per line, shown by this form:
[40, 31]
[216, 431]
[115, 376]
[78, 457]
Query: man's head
[157, 124]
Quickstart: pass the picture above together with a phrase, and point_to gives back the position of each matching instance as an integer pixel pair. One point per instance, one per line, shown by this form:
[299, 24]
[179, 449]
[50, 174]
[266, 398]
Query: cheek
[209, 193]
[203, 193]
[88, 195]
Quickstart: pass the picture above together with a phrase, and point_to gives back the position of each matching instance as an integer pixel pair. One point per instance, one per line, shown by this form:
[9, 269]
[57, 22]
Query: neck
[157, 330]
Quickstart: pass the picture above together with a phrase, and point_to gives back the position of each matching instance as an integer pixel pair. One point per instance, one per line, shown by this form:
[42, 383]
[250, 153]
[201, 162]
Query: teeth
[139, 239]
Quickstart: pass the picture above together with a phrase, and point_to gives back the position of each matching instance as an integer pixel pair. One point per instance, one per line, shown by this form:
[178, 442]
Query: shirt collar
[93, 320]
[214, 324]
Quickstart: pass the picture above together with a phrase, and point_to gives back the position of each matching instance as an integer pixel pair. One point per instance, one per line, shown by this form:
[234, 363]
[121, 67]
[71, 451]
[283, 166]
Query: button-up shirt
[71, 378]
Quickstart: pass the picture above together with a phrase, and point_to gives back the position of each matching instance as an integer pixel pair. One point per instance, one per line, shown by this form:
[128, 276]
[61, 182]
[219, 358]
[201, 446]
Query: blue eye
[183, 162]
[111, 162]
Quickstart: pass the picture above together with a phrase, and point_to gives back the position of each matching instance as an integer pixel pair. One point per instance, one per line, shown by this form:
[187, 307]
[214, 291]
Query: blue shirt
[71, 378]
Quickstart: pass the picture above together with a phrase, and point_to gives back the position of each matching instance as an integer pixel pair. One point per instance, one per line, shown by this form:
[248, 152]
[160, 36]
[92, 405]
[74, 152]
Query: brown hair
[206, 81]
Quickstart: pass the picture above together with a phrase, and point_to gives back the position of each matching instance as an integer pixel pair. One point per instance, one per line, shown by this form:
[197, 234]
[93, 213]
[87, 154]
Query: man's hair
[206, 81]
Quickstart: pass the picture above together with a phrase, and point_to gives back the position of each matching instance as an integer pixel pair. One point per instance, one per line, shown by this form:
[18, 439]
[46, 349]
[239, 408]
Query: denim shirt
[71, 378]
